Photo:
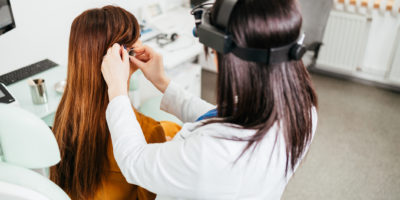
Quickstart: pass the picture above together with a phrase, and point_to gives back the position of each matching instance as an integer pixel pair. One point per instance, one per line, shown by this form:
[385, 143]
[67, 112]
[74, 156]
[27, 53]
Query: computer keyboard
[27, 71]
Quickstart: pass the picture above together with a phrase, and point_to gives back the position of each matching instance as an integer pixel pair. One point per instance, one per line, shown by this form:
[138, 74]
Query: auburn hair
[80, 125]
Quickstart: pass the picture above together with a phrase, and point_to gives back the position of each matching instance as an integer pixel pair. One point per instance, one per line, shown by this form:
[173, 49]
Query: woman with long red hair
[88, 169]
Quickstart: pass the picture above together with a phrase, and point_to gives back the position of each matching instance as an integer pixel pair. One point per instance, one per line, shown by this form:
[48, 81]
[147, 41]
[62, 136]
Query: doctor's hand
[115, 69]
[151, 64]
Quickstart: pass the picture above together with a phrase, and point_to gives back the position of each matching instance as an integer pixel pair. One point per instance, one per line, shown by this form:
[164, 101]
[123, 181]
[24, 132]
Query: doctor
[264, 121]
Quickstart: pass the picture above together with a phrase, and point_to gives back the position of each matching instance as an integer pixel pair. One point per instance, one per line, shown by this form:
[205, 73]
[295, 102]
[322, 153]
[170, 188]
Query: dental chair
[26, 145]
[315, 17]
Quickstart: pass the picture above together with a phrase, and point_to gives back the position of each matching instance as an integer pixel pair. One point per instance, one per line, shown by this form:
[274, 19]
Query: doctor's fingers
[146, 57]
[139, 53]
[108, 52]
[125, 55]
[149, 51]
[143, 57]
[113, 50]
[138, 48]
[137, 44]
[137, 63]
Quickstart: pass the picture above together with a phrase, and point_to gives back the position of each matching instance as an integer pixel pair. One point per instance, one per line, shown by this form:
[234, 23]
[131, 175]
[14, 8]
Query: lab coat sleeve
[168, 168]
[182, 104]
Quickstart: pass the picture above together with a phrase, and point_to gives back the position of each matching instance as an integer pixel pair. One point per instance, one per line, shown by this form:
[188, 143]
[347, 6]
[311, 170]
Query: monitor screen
[6, 17]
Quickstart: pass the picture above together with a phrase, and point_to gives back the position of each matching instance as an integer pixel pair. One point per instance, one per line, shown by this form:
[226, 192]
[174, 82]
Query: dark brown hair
[255, 95]
[80, 125]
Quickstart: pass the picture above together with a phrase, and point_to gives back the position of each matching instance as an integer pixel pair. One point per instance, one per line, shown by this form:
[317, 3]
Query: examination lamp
[216, 36]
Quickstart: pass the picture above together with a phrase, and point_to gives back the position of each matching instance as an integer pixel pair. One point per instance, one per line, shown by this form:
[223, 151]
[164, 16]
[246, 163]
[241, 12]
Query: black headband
[217, 37]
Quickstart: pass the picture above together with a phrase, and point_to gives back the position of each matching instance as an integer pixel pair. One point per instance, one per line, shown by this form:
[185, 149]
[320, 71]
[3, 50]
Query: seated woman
[88, 169]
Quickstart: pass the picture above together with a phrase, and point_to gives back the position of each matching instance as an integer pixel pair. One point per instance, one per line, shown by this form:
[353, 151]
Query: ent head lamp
[216, 36]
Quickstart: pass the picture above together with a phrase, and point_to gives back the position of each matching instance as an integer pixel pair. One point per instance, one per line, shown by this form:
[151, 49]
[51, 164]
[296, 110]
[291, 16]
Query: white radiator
[394, 74]
[344, 41]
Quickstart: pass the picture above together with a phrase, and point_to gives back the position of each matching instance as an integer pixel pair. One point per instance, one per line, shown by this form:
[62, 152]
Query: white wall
[381, 43]
[43, 29]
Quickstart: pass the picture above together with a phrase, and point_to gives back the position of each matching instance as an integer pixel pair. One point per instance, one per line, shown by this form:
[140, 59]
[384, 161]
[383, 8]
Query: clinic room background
[352, 54]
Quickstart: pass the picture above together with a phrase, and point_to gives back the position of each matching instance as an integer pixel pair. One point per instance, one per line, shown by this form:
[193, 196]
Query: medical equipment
[131, 52]
[38, 91]
[148, 31]
[164, 39]
[216, 36]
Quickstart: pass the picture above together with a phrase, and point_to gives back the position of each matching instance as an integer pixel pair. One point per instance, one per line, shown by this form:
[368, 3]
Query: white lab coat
[197, 164]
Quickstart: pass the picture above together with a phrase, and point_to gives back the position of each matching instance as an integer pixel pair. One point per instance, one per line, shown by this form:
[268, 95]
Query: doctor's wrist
[162, 84]
[114, 92]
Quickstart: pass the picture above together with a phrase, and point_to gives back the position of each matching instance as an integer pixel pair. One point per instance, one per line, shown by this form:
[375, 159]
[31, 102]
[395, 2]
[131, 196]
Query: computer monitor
[6, 17]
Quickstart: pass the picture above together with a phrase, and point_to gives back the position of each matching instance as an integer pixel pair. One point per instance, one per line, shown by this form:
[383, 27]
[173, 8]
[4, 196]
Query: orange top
[114, 186]
[389, 4]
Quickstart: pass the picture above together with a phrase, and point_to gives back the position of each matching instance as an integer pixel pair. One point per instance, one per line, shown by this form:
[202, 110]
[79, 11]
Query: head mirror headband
[217, 37]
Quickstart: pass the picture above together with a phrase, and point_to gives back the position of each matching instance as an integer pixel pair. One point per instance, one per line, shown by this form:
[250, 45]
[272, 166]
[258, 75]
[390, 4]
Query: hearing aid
[131, 51]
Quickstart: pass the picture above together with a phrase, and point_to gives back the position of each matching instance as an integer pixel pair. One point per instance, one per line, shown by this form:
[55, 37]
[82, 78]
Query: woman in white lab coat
[264, 120]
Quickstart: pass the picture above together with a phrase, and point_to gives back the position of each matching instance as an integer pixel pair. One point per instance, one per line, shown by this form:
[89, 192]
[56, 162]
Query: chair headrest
[25, 140]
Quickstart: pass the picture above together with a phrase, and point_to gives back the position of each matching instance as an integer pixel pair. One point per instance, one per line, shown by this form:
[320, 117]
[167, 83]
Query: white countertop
[21, 91]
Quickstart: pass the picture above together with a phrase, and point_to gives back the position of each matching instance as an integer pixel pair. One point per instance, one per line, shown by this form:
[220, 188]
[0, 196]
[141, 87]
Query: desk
[184, 50]
[20, 90]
